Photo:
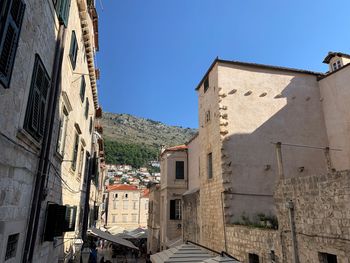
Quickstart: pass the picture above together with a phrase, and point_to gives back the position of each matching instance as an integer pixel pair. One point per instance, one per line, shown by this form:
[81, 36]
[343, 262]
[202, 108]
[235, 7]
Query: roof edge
[256, 65]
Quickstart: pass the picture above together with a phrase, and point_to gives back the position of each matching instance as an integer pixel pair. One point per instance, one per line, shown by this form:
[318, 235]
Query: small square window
[11, 247]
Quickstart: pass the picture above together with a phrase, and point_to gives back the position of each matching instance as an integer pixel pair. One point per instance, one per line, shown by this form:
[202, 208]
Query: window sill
[26, 138]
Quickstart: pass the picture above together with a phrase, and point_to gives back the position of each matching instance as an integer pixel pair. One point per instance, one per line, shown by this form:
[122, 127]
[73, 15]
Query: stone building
[126, 207]
[144, 207]
[153, 223]
[173, 183]
[50, 152]
[271, 142]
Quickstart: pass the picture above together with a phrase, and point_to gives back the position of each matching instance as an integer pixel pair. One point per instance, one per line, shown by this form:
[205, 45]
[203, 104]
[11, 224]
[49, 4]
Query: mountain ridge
[132, 129]
[136, 140]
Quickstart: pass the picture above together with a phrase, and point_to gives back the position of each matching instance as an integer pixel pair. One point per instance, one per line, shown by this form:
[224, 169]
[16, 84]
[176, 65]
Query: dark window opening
[327, 258]
[11, 247]
[206, 84]
[180, 170]
[82, 89]
[253, 258]
[87, 105]
[73, 52]
[210, 165]
[175, 209]
[75, 152]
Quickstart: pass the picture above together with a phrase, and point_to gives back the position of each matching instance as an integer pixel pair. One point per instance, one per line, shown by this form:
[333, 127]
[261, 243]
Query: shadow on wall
[249, 162]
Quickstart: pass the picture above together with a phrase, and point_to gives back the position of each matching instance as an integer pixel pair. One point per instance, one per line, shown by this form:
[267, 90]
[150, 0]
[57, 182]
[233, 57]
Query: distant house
[126, 206]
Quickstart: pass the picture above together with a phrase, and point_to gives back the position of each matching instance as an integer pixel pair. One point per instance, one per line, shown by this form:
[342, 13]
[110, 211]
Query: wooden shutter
[9, 34]
[75, 152]
[172, 209]
[36, 108]
[87, 109]
[54, 226]
[73, 49]
[64, 11]
[70, 218]
[82, 88]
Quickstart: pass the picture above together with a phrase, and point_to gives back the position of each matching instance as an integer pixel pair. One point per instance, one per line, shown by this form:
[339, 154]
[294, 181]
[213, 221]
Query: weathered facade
[127, 207]
[174, 182]
[271, 140]
[47, 130]
[153, 223]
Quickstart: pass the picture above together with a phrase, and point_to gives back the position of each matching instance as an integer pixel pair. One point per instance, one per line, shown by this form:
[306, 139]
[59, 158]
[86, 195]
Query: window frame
[73, 50]
[11, 246]
[41, 95]
[82, 88]
[175, 209]
[210, 165]
[75, 152]
[179, 171]
[62, 134]
[8, 21]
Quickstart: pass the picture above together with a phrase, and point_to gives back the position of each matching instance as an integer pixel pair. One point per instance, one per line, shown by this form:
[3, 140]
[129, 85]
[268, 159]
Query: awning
[184, 253]
[189, 253]
[117, 240]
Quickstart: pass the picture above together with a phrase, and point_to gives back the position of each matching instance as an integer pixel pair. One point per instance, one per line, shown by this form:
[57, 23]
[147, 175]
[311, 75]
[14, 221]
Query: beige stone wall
[193, 164]
[153, 240]
[126, 210]
[144, 203]
[335, 96]
[210, 142]
[265, 106]
[321, 215]
[243, 240]
[191, 218]
[171, 188]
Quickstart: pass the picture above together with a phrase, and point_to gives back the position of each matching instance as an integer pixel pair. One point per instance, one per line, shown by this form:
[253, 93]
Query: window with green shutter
[87, 108]
[34, 122]
[82, 88]
[62, 10]
[73, 52]
[11, 17]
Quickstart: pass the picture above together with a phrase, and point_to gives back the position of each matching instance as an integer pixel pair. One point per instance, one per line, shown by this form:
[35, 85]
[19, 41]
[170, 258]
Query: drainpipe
[290, 207]
[328, 160]
[39, 194]
[223, 219]
[279, 160]
[92, 164]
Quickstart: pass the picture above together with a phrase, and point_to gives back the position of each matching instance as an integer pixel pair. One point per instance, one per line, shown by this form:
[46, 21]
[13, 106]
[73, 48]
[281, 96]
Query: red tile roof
[126, 187]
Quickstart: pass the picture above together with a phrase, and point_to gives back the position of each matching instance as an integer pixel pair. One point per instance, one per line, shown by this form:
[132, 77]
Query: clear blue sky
[153, 53]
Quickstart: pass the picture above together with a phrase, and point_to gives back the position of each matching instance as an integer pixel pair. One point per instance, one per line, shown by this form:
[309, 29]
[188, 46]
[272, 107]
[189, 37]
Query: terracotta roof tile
[126, 187]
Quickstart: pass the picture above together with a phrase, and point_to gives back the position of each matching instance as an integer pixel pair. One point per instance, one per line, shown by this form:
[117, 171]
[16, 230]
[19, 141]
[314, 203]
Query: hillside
[138, 140]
